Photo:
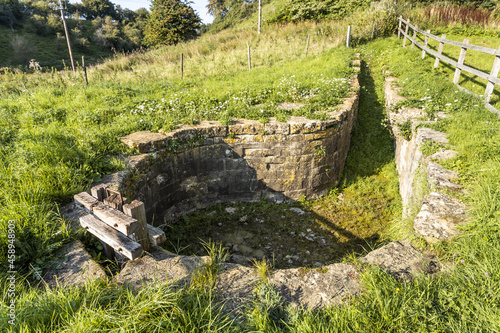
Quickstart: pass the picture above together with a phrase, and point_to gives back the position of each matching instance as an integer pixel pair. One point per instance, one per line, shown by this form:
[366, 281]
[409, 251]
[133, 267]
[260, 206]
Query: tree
[98, 8]
[170, 22]
[217, 7]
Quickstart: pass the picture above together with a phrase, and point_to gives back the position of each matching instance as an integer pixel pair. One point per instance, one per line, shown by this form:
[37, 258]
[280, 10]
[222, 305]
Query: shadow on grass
[372, 145]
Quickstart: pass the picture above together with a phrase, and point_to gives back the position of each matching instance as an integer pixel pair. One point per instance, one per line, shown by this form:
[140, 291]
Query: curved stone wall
[198, 166]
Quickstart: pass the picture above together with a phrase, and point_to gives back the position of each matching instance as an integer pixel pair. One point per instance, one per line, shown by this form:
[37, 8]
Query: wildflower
[448, 104]
[462, 261]
[454, 254]
[487, 122]
[486, 273]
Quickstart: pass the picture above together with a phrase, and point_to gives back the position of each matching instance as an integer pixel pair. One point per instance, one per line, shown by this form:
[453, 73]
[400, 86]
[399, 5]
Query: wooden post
[182, 66]
[85, 71]
[307, 46]
[137, 210]
[348, 36]
[494, 73]
[425, 44]
[461, 60]
[260, 15]
[99, 192]
[67, 36]
[440, 50]
[373, 30]
[249, 59]
[414, 37]
[406, 32]
[399, 28]
[108, 250]
[114, 201]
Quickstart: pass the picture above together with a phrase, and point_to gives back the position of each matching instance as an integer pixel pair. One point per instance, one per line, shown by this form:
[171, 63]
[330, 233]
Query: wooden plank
[99, 191]
[118, 241]
[414, 37]
[114, 218]
[426, 43]
[461, 60]
[440, 51]
[156, 235]
[493, 74]
[137, 210]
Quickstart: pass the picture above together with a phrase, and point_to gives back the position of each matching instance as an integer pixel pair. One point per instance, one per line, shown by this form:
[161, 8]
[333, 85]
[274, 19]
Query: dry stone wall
[198, 166]
[422, 181]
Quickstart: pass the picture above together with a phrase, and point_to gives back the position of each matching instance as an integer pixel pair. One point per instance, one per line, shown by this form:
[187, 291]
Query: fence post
[182, 66]
[406, 32]
[399, 28]
[348, 36]
[494, 73]
[85, 71]
[414, 37]
[461, 60]
[249, 59]
[425, 44]
[373, 30]
[440, 50]
[307, 47]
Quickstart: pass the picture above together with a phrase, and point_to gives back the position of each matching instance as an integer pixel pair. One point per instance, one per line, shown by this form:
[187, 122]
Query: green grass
[57, 135]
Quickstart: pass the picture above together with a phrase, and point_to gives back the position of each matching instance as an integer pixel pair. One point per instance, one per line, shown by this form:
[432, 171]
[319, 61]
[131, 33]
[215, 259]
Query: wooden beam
[461, 60]
[137, 210]
[156, 235]
[114, 218]
[118, 241]
[99, 191]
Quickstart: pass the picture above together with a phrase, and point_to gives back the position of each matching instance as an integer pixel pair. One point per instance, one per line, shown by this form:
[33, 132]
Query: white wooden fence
[459, 65]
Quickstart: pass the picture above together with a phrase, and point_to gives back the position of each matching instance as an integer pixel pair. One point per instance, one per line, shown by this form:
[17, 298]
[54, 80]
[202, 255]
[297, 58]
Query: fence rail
[491, 77]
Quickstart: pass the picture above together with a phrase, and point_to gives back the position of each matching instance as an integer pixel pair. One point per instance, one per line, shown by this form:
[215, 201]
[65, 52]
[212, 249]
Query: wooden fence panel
[492, 77]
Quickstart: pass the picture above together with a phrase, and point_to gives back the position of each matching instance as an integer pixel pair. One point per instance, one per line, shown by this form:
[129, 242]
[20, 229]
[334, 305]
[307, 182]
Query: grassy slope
[47, 50]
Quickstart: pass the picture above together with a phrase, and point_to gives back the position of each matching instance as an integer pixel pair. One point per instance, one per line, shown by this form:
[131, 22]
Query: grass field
[57, 136]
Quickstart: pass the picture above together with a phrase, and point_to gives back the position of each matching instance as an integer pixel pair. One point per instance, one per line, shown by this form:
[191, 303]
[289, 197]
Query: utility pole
[67, 35]
[260, 15]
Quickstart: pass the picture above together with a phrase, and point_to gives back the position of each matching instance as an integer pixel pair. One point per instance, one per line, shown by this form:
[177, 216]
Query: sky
[199, 5]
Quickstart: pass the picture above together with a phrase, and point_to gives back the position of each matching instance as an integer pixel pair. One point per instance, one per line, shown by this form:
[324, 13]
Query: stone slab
[440, 178]
[73, 267]
[439, 216]
[401, 260]
[159, 266]
[315, 290]
[235, 285]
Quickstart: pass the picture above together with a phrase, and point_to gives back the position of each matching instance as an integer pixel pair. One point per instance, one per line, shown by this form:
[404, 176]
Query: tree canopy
[170, 22]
